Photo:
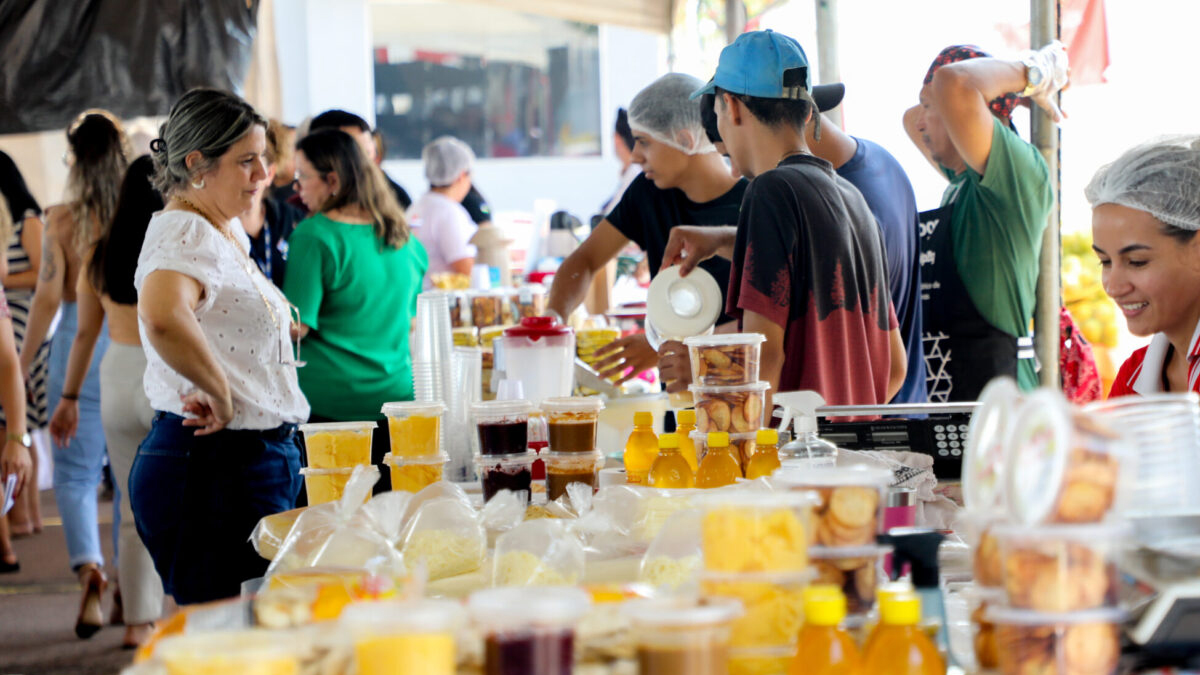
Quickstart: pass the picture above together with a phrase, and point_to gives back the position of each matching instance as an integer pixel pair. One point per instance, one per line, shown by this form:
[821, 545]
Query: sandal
[91, 616]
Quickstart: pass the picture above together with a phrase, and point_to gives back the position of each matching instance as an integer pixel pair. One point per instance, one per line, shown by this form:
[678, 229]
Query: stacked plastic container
[725, 387]
[505, 461]
[333, 450]
[415, 431]
[572, 456]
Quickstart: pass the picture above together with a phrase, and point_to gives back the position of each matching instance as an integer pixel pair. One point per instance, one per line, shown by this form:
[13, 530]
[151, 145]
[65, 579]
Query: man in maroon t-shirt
[809, 270]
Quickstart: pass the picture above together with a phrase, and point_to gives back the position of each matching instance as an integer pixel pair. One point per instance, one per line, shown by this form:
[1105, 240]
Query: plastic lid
[1010, 616]
[336, 426]
[859, 474]
[682, 613]
[515, 459]
[572, 404]
[725, 339]
[1037, 462]
[413, 408]
[900, 609]
[514, 608]
[537, 327]
[766, 437]
[422, 616]
[824, 605]
[518, 406]
[336, 471]
[681, 307]
[708, 392]
[687, 416]
[572, 460]
[986, 452]
[669, 440]
[439, 458]
[718, 439]
[643, 419]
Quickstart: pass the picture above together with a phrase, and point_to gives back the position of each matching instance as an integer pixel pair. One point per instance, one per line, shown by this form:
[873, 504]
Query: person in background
[352, 258]
[270, 222]
[623, 147]
[683, 182]
[980, 249]
[105, 294]
[810, 270]
[99, 156]
[1145, 214]
[15, 457]
[438, 219]
[284, 146]
[360, 131]
[220, 369]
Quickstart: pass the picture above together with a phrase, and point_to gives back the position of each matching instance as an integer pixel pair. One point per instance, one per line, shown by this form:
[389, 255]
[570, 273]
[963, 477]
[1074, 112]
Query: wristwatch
[24, 439]
[1034, 76]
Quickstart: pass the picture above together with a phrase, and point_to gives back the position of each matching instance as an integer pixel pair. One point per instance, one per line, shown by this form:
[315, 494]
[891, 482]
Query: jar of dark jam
[503, 426]
[505, 472]
[527, 632]
[564, 468]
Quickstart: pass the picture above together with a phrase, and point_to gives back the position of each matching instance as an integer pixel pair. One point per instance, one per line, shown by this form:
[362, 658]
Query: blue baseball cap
[755, 64]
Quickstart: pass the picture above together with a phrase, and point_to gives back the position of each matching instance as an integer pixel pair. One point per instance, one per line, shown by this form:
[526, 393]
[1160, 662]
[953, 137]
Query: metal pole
[735, 19]
[1044, 27]
[827, 50]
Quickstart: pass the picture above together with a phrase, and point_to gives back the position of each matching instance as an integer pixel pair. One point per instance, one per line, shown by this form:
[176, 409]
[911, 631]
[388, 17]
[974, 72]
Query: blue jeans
[196, 499]
[79, 466]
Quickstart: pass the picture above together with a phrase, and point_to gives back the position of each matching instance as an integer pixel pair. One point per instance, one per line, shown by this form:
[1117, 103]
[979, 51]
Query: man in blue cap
[809, 270]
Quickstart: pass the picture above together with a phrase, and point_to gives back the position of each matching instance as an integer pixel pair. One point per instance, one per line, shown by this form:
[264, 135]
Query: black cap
[918, 548]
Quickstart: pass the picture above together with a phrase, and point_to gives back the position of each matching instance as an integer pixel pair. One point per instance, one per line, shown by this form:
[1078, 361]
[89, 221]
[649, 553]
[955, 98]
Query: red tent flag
[1085, 32]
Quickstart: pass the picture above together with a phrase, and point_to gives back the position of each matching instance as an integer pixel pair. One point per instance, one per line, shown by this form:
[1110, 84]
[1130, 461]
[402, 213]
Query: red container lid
[537, 327]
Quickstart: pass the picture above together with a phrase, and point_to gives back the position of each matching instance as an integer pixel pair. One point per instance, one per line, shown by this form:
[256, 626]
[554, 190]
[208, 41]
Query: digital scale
[1165, 575]
[935, 429]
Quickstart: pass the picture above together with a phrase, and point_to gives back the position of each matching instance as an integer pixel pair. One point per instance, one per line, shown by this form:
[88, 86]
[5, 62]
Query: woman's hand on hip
[209, 413]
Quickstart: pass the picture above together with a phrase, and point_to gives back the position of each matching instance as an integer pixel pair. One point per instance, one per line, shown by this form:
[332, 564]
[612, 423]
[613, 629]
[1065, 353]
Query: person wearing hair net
[1145, 213]
[683, 182]
[438, 218]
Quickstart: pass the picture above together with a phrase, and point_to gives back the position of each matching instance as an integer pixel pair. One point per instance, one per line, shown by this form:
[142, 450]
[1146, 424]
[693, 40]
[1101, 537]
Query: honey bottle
[670, 469]
[824, 646]
[720, 465]
[685, 424]
[641, 449]
[765, 459]
[899, 646]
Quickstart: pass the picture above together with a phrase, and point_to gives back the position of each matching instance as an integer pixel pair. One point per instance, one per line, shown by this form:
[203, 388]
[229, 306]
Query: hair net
[445, 159]
[1161, 177]
[664, 112]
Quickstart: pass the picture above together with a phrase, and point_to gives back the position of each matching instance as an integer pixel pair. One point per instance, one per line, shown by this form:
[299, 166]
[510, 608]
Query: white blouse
[235, 321]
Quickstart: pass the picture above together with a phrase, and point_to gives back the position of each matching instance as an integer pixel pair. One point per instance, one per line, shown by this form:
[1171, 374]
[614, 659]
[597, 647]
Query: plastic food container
[572, 422]
[1057, 644]
[538, 553]
[412, 638]
[526, 301]
[760, 660]
[487, 308]
[756, 531]
[772, 604]
[528, 633]
[505, 472]
[1061, 568]
[414, 429]
[983, 631]
[736, 410]
[987, 564]
[337, 445]
[564, 468]
[1064, 467]
[679, 636]
[850, 509]
[460, 309]
[254, 652]
[326, 485]
[988, 445]
[857, 571]
[413, 474]
[503, 426]
[725, 360]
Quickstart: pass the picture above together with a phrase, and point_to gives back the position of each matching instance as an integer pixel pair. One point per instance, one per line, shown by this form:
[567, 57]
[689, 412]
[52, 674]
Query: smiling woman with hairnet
[1145, 214]
[684, 182]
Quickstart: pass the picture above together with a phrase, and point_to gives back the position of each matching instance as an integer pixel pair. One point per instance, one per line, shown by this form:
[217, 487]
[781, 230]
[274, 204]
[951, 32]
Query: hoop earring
[198, 186]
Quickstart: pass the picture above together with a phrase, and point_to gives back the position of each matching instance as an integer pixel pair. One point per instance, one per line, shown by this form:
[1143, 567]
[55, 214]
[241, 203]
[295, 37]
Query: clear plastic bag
[673, 561]
[446, 538]
[538, 553]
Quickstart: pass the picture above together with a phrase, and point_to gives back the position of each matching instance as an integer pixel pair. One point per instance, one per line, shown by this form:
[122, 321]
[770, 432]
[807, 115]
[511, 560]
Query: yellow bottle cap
[686, 417]
[824, 605]
[900, 609]
[718, 439]
[668, 441]
[766, 437]
[643, 419]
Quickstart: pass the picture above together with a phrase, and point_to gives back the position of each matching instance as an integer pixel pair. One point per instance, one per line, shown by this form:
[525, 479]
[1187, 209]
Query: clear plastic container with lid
[337, 445]
[772, 602]
[984, 461]
[1075, 643]
[410, 638]
[413, 474]
[726, 359]
[564, 468]
[572, 422]
[327, 485]
[1061, 568]
[503, 426]
[528, 631]
[487, 307]
[414, 428]
[850, 507]
[856, 572]
[735, 410]
[679, 636]
[505, 472]
[253, 652]
[751, 531]
[976, 529]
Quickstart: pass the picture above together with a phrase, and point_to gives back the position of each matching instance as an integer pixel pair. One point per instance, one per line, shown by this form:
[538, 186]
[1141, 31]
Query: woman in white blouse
[220, 371]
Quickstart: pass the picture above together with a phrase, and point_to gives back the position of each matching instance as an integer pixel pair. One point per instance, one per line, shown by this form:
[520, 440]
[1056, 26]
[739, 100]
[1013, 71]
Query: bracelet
[70, 397]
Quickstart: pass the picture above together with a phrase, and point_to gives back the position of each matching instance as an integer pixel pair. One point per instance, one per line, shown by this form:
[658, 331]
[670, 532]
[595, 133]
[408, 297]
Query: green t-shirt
[997, 224]
[358, 297]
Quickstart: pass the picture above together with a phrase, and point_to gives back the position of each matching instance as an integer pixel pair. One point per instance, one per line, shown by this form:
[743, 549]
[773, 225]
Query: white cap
[445, 158]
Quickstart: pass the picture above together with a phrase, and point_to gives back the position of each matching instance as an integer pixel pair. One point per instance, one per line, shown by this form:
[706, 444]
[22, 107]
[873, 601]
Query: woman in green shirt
[354, 272]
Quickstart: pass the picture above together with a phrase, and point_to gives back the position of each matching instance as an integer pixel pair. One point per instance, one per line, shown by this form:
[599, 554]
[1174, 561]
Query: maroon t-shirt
[810, 258]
